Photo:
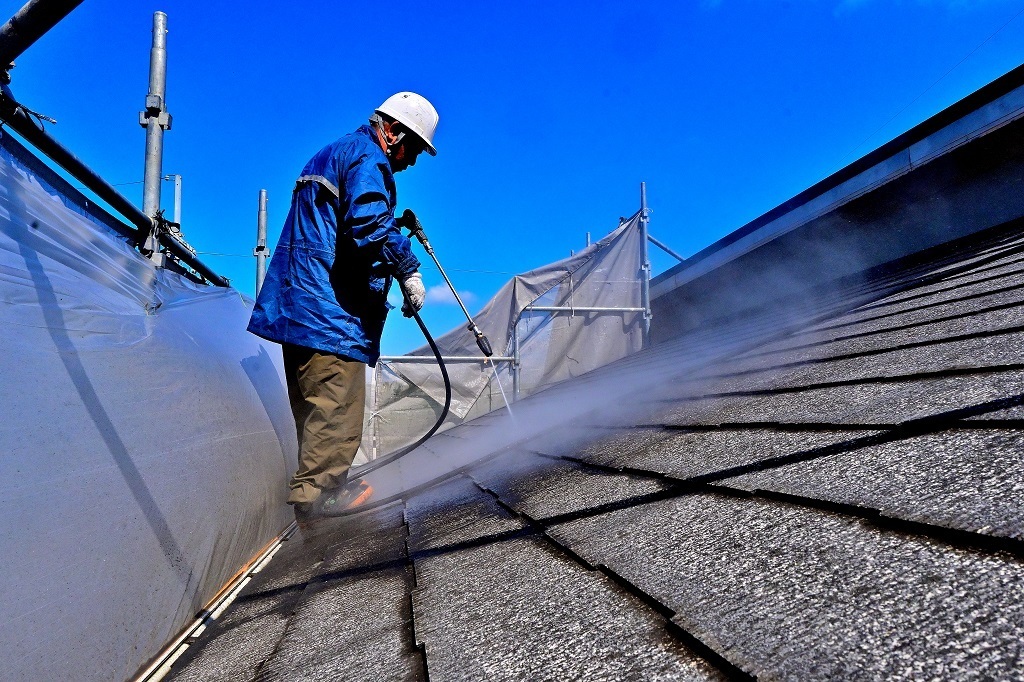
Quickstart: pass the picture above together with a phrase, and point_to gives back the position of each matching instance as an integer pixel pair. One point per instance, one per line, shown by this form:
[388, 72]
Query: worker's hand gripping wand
[409, 221]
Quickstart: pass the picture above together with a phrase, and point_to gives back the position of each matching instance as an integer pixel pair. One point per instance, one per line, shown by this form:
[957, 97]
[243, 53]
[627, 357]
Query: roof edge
[1010, 83]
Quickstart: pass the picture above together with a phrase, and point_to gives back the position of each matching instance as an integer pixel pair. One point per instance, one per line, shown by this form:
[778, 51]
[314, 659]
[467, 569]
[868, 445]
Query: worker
[324, 298]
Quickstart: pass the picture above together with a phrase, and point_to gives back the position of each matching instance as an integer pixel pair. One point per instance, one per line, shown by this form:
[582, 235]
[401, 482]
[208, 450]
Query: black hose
[378, 463]
[388, 459]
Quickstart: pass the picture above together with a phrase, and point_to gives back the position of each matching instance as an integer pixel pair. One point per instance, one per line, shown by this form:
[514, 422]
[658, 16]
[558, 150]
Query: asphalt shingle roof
[842, 498]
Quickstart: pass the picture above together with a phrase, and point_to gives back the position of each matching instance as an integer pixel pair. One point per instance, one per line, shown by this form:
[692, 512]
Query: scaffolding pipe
[579, 309]
[665, 248]
[572, 310]
[645, 266]
[155, 120]
[177, 197]
[375, 415]
[513, 359]
[29, 24]
[516, 360]
[28, 127]
[185, 255]
[430, 359]
[261, 241]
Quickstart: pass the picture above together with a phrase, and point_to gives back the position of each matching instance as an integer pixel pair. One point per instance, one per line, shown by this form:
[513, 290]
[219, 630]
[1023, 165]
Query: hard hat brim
[427, 146]
[417, 115]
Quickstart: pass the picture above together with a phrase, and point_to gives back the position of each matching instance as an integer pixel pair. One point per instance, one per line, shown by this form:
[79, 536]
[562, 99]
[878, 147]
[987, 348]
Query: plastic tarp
[406, 397]
[145, 443]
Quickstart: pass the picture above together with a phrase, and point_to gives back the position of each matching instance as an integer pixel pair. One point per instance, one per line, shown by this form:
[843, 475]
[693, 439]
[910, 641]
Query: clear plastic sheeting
[146, 440]
[406, 397]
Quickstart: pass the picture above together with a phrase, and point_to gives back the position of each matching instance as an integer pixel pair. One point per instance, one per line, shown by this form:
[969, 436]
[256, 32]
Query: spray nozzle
[485, 345]
[409, 221]
[481, 340]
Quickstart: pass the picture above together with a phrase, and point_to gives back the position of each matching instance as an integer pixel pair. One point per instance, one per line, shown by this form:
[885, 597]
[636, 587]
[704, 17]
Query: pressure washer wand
[409, 221]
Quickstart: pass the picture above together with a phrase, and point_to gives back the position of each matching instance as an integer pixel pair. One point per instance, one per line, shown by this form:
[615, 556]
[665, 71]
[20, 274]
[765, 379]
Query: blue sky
[551, 113]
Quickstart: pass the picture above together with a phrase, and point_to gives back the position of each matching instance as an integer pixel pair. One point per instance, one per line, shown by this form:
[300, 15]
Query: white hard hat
[415, 113]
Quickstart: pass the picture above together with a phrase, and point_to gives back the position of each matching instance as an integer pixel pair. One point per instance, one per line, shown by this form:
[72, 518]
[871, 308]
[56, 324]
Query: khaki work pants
[327, 394]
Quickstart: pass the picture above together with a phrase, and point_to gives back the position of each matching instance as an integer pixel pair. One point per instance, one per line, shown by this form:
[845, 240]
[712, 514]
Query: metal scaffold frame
[151, 231]
[514, 360]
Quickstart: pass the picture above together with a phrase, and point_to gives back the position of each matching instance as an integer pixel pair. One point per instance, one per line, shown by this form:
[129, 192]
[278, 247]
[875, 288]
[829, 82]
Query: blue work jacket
[327, 284]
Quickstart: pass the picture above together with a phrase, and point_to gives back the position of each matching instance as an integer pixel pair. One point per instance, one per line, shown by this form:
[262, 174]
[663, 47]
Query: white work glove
[413, 286]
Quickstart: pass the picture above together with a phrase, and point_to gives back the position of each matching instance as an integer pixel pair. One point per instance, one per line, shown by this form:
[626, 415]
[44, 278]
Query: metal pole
[665, 248]
[261, 241]
[28, 127]
[645, 266]
[579, 309]
[182, 253]
[515, 359]
[430, 359]
[29, 24]
[155, 120]
[374, 381]
[177, 198]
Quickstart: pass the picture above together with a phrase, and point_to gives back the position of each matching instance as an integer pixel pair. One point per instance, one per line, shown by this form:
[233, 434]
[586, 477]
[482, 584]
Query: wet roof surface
[842, 500]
